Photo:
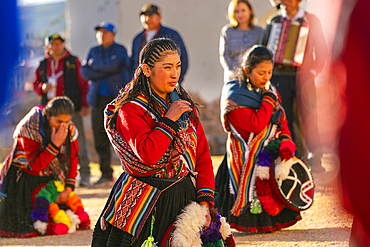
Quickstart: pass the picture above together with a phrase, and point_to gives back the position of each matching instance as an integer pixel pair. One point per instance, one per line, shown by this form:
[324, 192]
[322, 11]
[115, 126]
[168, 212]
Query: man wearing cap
[150, 17]
[107, 67]
[59, 74]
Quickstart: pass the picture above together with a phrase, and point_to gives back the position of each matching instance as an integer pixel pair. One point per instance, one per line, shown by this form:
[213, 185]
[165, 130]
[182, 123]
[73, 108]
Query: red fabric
[246, 120]
[268, 202]
[355, 134]
[39, 161]
[136, 126]
[57, 229]
[83, 216]
[230, 242]
[287, 149]
[84, 85]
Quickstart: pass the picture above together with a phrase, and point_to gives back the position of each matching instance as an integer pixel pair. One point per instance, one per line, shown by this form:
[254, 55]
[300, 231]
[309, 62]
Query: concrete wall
[198, 22]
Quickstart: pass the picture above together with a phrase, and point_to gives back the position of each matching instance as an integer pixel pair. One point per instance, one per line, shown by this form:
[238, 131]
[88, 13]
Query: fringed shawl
[242, 154]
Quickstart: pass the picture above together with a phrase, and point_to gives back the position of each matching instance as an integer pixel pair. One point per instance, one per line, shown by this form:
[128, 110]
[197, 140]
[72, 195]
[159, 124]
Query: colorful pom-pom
[59, 186]
[53, 209]
[40, 210]
[61, 217]
[57, 229]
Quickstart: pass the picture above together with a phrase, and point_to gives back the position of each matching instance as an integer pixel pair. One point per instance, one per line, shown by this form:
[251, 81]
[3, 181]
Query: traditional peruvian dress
[32, 176]
[166, 164]
[243, 195]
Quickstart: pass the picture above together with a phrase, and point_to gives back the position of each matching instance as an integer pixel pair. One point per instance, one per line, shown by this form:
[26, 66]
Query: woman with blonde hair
[237, 36]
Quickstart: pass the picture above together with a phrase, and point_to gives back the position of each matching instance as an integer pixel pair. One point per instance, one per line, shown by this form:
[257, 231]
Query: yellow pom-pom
[149, 242]
[59, 185]
[61, 217]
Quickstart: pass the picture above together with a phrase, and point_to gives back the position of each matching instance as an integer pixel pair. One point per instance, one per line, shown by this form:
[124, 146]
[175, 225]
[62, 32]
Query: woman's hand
[208, 216]
[46, 87]
[63, 196]
[58, 137]
[177, 108]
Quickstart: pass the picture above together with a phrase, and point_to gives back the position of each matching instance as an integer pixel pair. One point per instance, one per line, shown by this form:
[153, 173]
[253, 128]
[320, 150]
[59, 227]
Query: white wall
[198, 21]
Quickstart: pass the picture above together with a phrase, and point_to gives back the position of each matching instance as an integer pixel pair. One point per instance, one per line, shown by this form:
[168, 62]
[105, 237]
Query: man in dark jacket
[107, 67]
[150, 17]
[293, 77]
[59, 74]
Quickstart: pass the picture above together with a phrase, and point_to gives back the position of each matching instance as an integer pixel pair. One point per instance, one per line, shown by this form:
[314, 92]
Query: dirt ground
[324, 224]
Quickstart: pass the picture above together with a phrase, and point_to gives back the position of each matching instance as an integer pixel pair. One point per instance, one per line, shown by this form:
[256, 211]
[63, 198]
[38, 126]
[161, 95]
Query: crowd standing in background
[237, 36]
[293, 80]
[59, 74]
[107, 67]
[150, 17]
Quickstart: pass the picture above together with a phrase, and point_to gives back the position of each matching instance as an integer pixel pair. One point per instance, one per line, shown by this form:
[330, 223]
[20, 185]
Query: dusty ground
[324, 224]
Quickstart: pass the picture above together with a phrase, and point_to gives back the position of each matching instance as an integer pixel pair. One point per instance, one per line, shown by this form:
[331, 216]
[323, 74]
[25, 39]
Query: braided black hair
[254, 56]
[154, 51]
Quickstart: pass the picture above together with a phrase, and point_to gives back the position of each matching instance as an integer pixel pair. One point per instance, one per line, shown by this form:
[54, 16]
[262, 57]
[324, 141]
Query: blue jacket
[110, 64]
[163, 32]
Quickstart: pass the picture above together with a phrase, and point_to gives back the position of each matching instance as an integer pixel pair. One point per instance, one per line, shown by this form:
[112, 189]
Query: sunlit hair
[231, 13]
[58, 106]
[154, 51]
[253, 56]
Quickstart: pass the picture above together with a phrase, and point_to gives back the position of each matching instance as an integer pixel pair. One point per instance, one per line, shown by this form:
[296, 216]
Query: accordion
[288, 41]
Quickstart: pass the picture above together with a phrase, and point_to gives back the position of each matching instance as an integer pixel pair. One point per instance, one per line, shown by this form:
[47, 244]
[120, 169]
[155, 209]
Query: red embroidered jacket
[39, 161]
[247, 120]
[149, 142]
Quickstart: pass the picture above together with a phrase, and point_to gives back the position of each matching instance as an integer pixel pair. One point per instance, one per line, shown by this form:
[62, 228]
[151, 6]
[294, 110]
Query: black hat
[150, 9]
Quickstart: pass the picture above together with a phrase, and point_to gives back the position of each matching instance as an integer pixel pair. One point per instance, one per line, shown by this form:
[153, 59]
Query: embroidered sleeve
[71, 182]
[168, 127]
[52, 148]
[205, 194]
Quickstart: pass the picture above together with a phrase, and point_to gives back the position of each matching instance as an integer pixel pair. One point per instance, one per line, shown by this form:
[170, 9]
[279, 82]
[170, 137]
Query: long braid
[154, 51]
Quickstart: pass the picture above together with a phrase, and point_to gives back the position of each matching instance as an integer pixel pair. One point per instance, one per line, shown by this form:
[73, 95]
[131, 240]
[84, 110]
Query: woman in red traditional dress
[258, 134]
[154, 129]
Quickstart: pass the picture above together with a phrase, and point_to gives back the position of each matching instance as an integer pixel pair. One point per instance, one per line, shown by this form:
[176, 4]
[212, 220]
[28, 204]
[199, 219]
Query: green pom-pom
[49, 192]
[274, 146]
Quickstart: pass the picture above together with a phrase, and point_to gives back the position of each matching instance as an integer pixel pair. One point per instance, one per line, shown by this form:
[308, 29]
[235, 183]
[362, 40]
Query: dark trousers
[83, 157]
[286, 86]
[101, 141]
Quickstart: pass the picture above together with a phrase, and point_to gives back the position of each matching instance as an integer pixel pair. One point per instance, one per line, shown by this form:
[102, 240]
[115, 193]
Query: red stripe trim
[261, 229]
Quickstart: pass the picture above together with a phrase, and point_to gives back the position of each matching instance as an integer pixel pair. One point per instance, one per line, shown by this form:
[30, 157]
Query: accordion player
[287, 41]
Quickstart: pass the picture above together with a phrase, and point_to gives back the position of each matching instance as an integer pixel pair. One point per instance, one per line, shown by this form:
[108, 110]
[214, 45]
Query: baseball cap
[107, 26]
[53, 37]
[150, 9]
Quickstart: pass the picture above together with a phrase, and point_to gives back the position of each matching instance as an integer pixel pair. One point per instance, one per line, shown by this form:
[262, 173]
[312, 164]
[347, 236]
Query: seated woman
[155, 131]
[254, 119]
[38, 177]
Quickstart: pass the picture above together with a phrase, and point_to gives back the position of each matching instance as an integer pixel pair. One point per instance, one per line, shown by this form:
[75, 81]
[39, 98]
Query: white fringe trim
[188, 226]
